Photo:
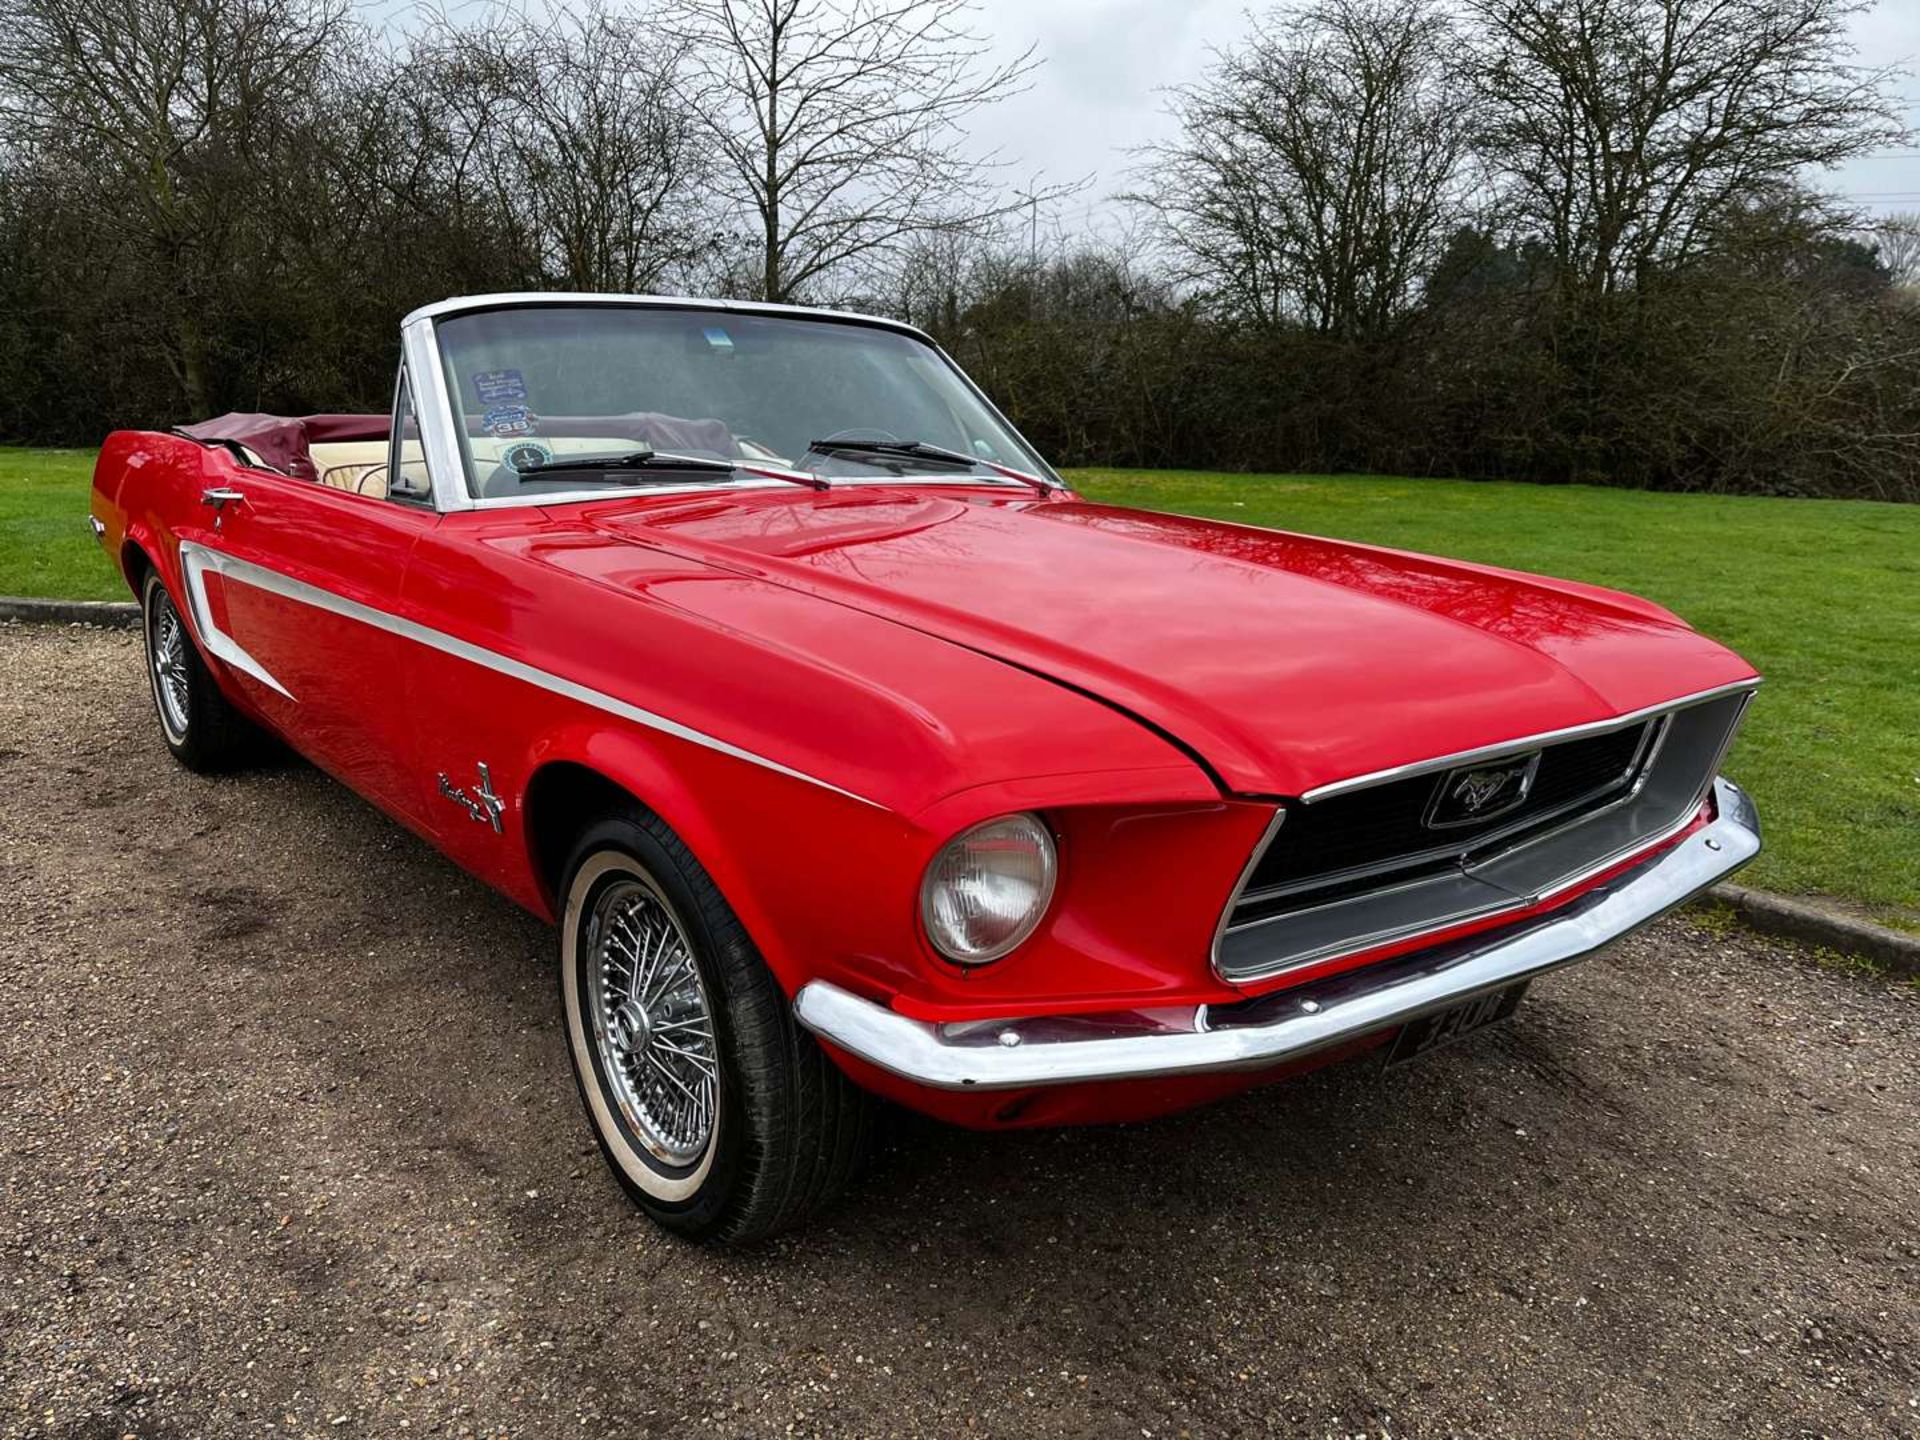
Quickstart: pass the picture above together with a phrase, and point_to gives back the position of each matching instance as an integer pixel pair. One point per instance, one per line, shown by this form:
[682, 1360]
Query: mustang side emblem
[1481, 792]
[483, 805]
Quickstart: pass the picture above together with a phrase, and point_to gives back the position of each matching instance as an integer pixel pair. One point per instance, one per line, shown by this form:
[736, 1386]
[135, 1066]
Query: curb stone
[1806, 922]
[114, 613]
[1768, 913]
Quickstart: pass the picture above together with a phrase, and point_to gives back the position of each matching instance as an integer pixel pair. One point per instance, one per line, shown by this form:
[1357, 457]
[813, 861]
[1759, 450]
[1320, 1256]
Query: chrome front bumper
[1292, 1023]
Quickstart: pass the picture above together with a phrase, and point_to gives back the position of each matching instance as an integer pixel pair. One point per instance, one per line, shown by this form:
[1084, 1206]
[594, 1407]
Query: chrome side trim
[261, 577]
[1527, 742]
[195, 562]
[1292, 1024]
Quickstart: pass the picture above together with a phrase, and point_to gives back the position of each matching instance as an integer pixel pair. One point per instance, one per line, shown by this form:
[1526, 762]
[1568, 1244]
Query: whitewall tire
[719, 1116]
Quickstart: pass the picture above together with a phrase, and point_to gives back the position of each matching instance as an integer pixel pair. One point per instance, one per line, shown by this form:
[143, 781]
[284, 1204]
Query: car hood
[1281, 661]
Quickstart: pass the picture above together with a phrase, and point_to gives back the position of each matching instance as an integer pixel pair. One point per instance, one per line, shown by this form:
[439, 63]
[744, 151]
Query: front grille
[1384, 862]
[1367, 836]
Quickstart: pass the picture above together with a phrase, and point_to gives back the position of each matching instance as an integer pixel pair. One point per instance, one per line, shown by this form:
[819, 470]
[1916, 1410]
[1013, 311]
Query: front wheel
[719, 1116]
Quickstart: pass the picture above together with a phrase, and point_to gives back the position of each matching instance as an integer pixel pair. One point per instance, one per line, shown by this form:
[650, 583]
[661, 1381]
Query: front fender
[767, 841]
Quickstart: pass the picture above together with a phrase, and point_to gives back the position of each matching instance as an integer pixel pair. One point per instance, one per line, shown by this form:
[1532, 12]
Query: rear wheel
[718, 1115]
[202, 730]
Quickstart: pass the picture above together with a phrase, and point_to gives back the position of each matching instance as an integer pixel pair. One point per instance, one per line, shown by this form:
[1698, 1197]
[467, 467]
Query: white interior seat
[356, 465]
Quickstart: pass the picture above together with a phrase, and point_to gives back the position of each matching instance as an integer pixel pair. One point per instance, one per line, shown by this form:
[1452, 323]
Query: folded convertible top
[282, 440]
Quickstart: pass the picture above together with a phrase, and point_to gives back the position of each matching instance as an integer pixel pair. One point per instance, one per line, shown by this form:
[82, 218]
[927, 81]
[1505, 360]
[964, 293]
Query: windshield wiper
[907, 449]
[921, 450]
[646, 459]
[650, 459]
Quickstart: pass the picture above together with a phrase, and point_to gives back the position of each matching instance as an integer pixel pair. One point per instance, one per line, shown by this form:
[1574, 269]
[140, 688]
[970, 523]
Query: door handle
[221, 496]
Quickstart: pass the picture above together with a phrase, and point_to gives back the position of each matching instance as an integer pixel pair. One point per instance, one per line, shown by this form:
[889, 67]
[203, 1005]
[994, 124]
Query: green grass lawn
[1822, 595]
[46, 548]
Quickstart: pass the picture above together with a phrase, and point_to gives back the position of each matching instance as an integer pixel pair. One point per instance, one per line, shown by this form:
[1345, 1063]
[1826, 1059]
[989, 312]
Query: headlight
[988, 888]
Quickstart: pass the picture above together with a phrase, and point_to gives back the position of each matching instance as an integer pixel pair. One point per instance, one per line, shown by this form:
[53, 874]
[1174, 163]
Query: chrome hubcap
[167, 653]
[652, 1023]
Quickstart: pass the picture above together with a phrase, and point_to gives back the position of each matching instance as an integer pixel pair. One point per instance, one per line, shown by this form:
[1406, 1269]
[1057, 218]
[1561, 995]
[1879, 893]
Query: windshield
[560, 397]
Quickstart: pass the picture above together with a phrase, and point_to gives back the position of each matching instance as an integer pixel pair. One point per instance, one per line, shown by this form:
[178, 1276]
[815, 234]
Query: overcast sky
[1105, 59]
[1096, 93]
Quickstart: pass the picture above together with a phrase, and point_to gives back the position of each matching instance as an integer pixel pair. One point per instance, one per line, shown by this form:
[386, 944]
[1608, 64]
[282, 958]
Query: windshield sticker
[500, 387]
[527, 455]
[718, 339]
[506, 421]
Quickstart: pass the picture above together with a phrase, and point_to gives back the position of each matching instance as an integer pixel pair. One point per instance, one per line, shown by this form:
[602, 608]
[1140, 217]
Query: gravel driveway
[290, 1146]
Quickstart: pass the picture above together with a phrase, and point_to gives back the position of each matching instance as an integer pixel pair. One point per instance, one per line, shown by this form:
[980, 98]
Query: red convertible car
[853, 754]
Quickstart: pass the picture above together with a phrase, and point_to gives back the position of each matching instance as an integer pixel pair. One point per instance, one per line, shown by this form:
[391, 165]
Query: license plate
[1443, 1027]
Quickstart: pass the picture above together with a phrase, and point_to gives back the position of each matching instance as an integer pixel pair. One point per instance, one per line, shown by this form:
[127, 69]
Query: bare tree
[839, 125]
[569, 125]
[932, 279]
[1897, 241]
[1630, 131]
[1319, 166]
[158, 112]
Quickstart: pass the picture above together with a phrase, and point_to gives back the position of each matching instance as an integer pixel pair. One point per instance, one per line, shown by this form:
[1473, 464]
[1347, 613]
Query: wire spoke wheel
[167, 653]
[716, 1112]
[652, 1021]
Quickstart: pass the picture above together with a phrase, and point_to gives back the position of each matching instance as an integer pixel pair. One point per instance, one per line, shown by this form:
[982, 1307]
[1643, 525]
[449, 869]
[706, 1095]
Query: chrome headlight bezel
[949, 862]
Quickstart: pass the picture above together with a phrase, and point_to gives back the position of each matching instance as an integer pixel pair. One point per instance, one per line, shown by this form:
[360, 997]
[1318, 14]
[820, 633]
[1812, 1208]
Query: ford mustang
[853, 754]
